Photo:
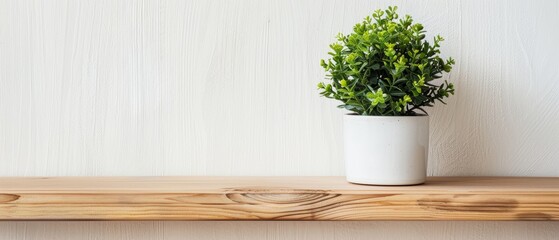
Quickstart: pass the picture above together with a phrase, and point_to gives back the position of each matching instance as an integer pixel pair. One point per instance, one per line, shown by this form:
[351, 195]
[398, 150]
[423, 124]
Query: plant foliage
[386, 67]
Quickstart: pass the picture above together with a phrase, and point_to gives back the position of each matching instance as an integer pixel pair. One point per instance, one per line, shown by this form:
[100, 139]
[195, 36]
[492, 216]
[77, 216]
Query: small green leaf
[401, 80]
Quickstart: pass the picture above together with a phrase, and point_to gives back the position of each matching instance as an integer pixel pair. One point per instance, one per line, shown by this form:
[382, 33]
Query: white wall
[228, 88]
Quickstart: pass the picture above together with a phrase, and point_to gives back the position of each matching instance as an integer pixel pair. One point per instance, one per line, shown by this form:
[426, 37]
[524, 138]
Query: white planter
[386, 150]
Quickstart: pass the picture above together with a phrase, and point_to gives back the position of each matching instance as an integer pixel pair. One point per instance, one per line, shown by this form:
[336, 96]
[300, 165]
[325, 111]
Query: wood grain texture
[101, 88]
[275, 198]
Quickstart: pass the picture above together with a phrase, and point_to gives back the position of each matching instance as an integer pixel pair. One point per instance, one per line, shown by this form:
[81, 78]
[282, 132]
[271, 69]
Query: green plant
[386, 67]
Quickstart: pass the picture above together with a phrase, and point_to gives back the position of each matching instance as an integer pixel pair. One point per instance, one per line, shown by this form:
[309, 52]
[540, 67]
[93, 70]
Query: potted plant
[385, 72]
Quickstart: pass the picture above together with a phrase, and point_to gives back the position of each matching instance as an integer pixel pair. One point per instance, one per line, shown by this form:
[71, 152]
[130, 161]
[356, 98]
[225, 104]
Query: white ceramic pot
[382, 150]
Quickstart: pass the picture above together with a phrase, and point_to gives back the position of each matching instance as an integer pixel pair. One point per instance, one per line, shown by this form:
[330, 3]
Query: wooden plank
[275, 198]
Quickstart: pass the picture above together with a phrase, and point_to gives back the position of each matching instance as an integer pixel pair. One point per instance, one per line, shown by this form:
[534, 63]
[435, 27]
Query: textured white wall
[228, 88]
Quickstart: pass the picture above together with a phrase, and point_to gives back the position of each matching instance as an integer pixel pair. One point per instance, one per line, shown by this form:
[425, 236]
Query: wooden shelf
[275, 198]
